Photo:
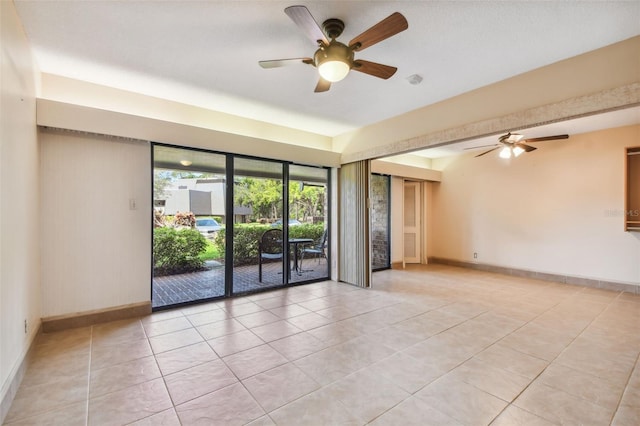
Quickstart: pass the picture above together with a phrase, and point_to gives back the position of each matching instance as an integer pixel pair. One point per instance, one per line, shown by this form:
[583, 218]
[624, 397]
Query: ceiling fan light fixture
[333, 70]
[186, 163]
[517, 151]
[505, 152]
[334, 61]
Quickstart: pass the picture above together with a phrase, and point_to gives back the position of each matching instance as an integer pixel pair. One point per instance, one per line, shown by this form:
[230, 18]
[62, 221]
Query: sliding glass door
[308, 223]
[189, 193]
[258, 241]
[227, 224]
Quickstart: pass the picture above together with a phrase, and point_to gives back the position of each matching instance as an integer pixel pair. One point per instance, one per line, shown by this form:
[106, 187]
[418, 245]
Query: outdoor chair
[318, 250]
[269, 248]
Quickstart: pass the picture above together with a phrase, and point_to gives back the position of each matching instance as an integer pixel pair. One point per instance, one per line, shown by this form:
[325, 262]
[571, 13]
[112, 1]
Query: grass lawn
[210, 253]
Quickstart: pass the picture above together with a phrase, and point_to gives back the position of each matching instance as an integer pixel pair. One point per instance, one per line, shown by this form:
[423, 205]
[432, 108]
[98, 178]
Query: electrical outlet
[133, 204]
[475, 255]
[26, 327]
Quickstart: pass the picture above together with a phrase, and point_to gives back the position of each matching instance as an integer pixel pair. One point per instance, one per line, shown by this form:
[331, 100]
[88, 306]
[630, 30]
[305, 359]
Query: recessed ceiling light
[186, 163]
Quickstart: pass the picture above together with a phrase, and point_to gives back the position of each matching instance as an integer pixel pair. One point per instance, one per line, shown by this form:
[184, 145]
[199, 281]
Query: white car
[208, 227]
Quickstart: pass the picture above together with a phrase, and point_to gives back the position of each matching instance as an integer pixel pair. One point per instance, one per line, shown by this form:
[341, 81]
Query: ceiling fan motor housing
[335, 51]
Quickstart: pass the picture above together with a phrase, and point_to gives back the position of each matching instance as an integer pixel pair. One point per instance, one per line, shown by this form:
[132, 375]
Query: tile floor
[431, 345]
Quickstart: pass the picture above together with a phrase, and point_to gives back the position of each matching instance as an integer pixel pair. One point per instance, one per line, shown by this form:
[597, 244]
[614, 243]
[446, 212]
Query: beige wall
[96, 250]
[556, 210]
[19, 208]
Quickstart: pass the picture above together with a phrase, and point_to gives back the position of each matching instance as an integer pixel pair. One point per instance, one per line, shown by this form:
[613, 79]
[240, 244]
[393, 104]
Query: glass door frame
[229, 213]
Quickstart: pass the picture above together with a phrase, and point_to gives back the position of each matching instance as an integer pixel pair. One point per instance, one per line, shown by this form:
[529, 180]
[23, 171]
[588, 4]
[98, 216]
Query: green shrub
[247, 238]
[176, 251]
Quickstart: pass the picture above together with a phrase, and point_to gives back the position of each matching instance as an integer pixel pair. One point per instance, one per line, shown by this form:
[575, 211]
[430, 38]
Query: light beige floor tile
[289, 311]
[600, 391]
[196, 381]
[366, 394]
[514, 416]
[257, 319]
[411, 374]
[236, 310]
[318, 304]
[161, 316]
[503, 356]
[229, 406]
[69, 415]
[504, 384]
[333, 334]
[75, 337]
[440, 317]
[538, 341]
[185, 357]
[234, 343]
[445, 351]
[627, 416]
[164, 418]
[365, 351]
[50, 368]
[115, 378]
[414, 412]
[105, 356]
[35, 400]
[220, 328]
[298, 346]
[337, 313]
[594, 359]
[328, 365]
[275, 330]
[273, 302]
[279, 386]
[113, 333]
[204, 307]
[461, 401]
[208, 317]
[157, 328]
[262, 421]
[318, 408]
[309, 321]
[177, 339]
[253, 361]
[422, 327]
[560, 407]
[130, 404]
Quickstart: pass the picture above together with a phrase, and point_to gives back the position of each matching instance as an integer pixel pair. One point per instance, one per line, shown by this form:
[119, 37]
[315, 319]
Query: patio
[181, 288]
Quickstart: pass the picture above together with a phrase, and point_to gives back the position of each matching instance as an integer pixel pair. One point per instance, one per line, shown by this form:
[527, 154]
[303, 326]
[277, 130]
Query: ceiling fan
[513, 144]
[333, 59]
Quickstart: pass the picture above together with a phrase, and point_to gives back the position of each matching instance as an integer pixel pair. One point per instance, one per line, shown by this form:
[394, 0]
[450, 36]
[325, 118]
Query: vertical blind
[353, 228]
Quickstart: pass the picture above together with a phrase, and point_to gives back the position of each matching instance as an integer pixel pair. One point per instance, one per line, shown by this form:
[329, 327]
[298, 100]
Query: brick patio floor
[174, 289]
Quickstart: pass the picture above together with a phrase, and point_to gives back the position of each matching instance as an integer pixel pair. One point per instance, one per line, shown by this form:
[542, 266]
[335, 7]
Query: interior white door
[412, 222]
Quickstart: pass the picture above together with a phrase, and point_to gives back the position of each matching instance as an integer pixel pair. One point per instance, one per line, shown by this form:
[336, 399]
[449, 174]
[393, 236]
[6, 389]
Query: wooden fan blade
[486, 152]
[301, 16]
[527, 148]
[322, 86]
[389, 26]
[276, 63]
[547, 138]
[374, 69]
[481, 146]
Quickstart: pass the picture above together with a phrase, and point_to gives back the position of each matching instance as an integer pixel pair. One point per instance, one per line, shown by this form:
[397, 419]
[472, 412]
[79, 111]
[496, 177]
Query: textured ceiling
[206, 53]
